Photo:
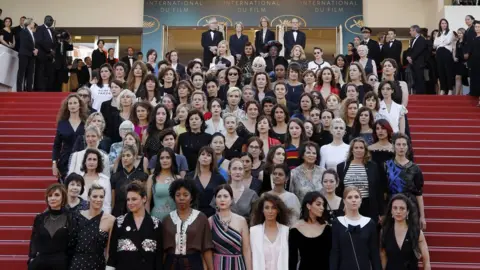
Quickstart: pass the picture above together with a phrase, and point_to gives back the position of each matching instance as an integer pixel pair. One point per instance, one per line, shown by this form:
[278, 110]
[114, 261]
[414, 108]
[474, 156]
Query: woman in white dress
[335, 152]
[394, 112]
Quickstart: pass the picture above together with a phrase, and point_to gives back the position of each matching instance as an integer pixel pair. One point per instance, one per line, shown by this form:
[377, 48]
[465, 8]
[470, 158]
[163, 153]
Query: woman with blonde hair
[223, 59]
[126, 99]
[96, 119]
[234, 95]
[360, 171]
[298, 56]
[333, 103]
[337, 72]
[336, 152]
[368, 64]
[181, 114]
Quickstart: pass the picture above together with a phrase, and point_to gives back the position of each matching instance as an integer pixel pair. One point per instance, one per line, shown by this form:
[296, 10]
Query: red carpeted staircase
[446, 140]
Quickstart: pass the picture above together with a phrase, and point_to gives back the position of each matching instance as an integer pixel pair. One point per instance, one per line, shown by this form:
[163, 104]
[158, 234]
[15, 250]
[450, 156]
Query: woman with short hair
[336, 152]
[110, 111]
[97, 120]
[75, 185]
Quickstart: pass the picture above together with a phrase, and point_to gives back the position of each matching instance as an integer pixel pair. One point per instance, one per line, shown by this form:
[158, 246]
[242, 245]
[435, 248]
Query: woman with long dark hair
[218, 146]
[443, 43]
[280, 118]
[405, 177]
[70, 125]
[295, 136]
[354, 237]
[245, 63]
[363, 125]
[311, 237]
[248, 180]
[269, 233]
[401, 222]
[141, 117]
[335, 205]
[254, 146]
[149, 90]
[159, 120]
[394, 112]
[233, 78]
[275, 156]
[159, 183]
[326, 83]
[359, 171]
[137, 74]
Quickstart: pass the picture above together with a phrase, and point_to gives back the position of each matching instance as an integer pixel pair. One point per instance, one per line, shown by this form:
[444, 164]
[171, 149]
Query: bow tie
[353, 229]
[211, 30]
[294, 31]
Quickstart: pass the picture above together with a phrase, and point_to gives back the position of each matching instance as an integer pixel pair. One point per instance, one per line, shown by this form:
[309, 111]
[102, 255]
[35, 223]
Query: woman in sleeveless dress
[402, 241]
[91, 235]
[158, 184]
[230, 235]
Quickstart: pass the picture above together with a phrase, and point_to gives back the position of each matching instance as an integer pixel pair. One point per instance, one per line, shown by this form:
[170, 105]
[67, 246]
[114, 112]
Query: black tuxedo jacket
[260, 43]
[289, 41]
[16, 31]
[373, 50]
[27, 44]
[394, 51]
[127, 61]
[207, 41]
[468, 38]
[181, 71]
[44, 42]
[418, 52]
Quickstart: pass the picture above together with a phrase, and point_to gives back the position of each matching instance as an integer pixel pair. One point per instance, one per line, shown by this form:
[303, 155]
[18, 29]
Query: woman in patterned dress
[230, 234]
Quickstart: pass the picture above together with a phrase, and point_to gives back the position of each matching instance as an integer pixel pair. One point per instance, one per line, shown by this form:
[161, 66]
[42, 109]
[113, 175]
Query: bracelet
[54, 162]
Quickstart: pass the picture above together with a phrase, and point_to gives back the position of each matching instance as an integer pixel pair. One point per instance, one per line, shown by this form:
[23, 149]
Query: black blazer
[237, 45]
[127, 61]
[44, 42]
[394, 51]
[98, 58]
[374, 189]
[181, 71]
[16, 32]
[418, 52]
[373, 50]
[260, 43]
[26, 43]
[289, 41]
[468, 38]
[207, 41]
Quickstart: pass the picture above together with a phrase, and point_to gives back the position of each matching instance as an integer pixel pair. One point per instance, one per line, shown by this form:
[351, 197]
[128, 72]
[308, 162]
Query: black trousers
[49, 262]
[26, 67]
[44, 75]
[445, 68]
[418, 78]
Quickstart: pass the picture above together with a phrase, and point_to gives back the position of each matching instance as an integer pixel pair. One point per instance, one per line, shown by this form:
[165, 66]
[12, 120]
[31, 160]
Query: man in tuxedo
[44, 67]
[392, 47]
[373, 46]
[416, 59]
[86, 72]
[26, 56]
[210, 40]
[129, 59]
[61, 70]
[16, 31]
[293, 37]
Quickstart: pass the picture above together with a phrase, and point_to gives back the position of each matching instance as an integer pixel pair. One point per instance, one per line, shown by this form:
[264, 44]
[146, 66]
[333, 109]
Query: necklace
[225, 222]
[306, 170]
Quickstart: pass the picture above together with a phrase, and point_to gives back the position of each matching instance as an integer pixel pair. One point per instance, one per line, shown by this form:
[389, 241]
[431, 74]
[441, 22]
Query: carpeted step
[454, 255]
[10, 162]
[428, 151]
[450, 168]
[448, 123]
[17, 219]
[466, 240]
[19, 182]
[458, 188]
[13, 262]
[28, 139]
[15, 233]
[453, 225]
[27, 124]
[450, 114]
[464, 160]
[19, 247]
[23, 194]
[435, 108]
[32, 117]
[452, 212]
[24, 154]
[26, 146]
[443, 129]
[453, 266]
[451, 176]
[27, 171]
[30, 206]
[27, 131]
[444, 143]
[452, 200]
[445, 136]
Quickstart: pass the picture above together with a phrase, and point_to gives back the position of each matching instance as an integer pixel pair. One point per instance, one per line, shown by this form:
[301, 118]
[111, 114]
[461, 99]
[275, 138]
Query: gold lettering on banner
[252, 10]
[173, 10]
[330, 6]
[150, 24]
[252, 3]
[174, 3]
[222, 20]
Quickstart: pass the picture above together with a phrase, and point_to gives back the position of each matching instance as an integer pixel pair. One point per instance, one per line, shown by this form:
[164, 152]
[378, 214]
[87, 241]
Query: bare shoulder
[108, 217]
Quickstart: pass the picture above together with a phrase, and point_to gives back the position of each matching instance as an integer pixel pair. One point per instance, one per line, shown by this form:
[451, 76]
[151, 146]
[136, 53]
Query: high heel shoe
[442, 93]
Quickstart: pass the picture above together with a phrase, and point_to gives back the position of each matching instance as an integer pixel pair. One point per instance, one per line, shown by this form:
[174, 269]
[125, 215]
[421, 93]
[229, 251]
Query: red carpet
[446, 139]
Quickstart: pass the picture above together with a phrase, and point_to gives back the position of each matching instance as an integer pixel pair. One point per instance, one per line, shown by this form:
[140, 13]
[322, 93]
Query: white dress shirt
[445, 41]
[50, 32]
[31, 34]
[295, 34]
[264, 34]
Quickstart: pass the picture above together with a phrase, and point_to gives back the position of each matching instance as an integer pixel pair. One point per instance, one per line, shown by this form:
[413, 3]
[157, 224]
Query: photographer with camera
[61, 60]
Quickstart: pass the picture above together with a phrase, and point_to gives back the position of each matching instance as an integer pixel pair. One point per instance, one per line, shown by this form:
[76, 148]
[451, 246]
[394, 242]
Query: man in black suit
[373, 46]
[210, 40]
[293, 37]
[392, 47]
[129, 59]
[61, 64]
[44, 68]
[26, 56]
[416, 59]
[16, 31]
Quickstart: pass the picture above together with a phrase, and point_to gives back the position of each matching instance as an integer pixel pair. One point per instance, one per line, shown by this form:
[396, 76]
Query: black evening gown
[313, 251]
[235, 150]
[380, 157]
[399, 258]
[90, 244]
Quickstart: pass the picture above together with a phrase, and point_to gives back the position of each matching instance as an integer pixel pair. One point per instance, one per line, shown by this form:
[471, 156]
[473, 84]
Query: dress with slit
[227, 252]
[91, 242]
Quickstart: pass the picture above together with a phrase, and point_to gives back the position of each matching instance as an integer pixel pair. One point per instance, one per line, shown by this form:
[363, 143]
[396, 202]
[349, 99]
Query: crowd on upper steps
[245, 159]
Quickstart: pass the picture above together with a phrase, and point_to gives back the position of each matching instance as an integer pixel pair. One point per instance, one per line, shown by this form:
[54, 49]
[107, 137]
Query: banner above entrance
[311, 13]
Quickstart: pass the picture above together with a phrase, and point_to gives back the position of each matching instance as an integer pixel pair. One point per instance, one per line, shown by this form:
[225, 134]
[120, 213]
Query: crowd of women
[234, 167]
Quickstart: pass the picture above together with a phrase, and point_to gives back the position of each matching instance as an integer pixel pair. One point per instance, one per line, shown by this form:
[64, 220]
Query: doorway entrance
[186, 40]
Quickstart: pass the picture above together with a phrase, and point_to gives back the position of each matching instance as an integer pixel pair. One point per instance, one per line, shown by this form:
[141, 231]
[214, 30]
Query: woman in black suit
[174, 61]
[238, 41]
[263, 36]
[359, 171]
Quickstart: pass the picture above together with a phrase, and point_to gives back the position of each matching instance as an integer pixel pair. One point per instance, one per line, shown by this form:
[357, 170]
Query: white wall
[82, 13]
[456, 15]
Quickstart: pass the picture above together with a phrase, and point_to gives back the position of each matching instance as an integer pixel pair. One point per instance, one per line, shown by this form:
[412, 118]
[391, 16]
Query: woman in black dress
[233, 142]
[75, 184]
[207, 178]
[401, 222]
[405, 177]
[190, 142]
[136, 240]
[276, 155]
[52, 233]
[354, 237]
[70, 124]
[7, 37]
[245, 63]
[160, 120]
[311, 237]
[335, 205]
[460, 67]
[474, 63]
[187, 235]
[91, 233]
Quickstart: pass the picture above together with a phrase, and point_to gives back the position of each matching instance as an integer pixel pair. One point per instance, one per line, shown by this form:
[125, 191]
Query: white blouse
[332, 155]
[445, 40]
[313, 66]
[211, 127]
[103, 181]
[99, 95]
[393, 116]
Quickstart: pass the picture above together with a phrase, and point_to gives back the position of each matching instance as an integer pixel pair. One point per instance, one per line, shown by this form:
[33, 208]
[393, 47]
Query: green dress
[162, 202]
